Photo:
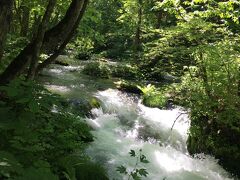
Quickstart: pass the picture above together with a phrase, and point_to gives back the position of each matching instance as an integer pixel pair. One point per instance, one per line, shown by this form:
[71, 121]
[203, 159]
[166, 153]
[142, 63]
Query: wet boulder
[62, 60]
[129, 87]
[83, 107]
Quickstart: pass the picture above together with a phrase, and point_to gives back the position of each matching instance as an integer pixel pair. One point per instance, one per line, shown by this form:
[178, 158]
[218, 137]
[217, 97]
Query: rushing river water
[123, 123]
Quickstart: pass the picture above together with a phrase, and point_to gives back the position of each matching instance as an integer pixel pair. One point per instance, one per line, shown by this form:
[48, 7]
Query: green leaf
[23, 100]
[122, 169]
[37, 174]
[33, 106]
[143, 172]
[143, 159]
[8, 163]
[12, 92]
[135, 176]
[132, 153]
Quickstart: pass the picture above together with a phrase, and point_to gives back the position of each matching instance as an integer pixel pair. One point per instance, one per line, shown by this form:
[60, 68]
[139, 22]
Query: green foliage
[226, 12]
[135, 173]
[97, 69]
[104, 70]
[83, 47]
[215, 80]
[154, 97]
[90, 171]
[13, 46]
[170, 49]
[211, 91]
[38, 137]
[125, 71]
[117, 46]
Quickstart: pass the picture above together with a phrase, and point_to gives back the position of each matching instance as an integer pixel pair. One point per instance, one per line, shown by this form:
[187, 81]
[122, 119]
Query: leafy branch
[136, 173]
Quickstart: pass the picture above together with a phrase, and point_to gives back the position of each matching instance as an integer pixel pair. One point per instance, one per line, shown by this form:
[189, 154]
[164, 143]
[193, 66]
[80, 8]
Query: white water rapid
[123, 123]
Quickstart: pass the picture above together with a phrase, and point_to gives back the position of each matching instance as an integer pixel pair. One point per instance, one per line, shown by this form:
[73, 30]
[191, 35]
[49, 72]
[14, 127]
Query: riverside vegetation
[168, 52]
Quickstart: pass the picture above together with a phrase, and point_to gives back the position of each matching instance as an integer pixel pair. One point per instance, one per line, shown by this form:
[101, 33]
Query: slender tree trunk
[159, 16]
[34, 28]
[239, 82]
[57, 52]
[25, 11]
[5, 18]
[39, 39]
[137, 42]
[18, 65]
[204, 75]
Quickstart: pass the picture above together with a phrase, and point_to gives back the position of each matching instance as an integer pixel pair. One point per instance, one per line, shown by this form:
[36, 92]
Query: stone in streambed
[128, 87]
[84, 106]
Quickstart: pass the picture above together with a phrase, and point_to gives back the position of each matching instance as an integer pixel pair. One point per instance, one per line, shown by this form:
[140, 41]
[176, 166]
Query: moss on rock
[129, 87]
[83, 107]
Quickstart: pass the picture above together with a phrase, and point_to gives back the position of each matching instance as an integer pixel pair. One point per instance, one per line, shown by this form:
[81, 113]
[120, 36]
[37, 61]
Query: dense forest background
[184, 52]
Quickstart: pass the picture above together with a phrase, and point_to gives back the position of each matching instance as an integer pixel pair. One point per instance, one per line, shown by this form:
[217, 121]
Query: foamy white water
[123, 124]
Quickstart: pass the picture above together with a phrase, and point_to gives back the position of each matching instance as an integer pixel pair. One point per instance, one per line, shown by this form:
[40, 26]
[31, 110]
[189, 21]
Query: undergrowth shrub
[211, 91]
[12, 48]
[39, 139]
[83, 48]
[97, 69]
[105, 70]
[154, 97]
[125, 71]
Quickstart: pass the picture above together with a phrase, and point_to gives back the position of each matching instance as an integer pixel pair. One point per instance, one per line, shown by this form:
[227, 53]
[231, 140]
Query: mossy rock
[80, 106]
[129, 87]
[95, 103]
[63, 60]
[83, 107]
[62, 63]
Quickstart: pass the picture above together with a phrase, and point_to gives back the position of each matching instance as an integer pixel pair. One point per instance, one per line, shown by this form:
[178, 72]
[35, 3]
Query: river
[123, 123]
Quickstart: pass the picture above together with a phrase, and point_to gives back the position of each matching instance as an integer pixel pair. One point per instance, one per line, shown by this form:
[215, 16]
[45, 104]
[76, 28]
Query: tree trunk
[39, 39]
[18, 65]
[5, 18]
[24, 20]
[137, 43]
[239, 82]
[55, 36]
[204, 75]
[159, 16]
[35, 25]
[53, 57]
